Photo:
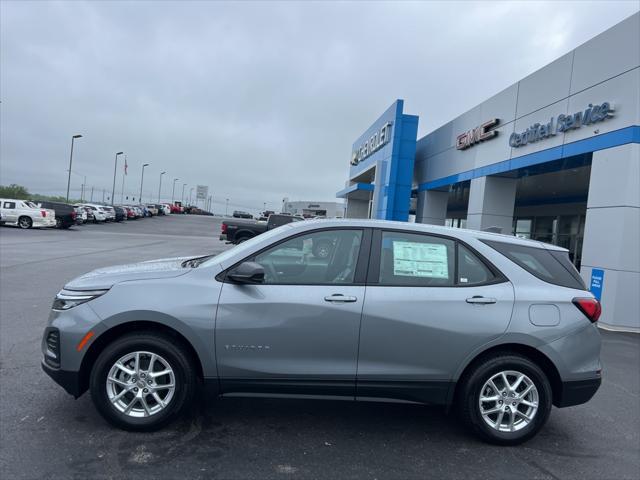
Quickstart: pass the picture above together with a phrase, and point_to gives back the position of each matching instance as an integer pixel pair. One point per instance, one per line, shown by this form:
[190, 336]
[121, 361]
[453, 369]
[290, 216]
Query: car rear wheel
[242, 239]
[58, 222]
[25, 222]
[142, 381]
[506, 399]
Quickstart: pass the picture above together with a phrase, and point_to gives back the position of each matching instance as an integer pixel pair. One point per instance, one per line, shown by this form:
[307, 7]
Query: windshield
[247, 245]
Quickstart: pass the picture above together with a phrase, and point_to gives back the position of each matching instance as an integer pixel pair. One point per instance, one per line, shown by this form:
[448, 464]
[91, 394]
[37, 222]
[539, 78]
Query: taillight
[590, 307]
[224, 228]
[43, 213]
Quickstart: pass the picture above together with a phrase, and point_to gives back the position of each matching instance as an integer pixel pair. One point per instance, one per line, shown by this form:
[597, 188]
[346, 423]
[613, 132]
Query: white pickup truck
[25, 214]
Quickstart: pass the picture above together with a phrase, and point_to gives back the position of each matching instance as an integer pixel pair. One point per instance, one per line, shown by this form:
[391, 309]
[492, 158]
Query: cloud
[258, 100]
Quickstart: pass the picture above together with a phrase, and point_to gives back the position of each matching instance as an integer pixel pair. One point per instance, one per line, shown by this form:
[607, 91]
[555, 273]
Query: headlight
[67, 299]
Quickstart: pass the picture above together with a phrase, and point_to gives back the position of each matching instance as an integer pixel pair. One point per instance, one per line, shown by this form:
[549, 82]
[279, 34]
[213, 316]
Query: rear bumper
[577, 392]
[44, 222]
[70, 381]
[223, 237]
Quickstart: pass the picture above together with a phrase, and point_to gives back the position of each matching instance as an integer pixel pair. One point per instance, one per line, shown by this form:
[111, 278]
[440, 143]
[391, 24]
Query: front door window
[318, 258]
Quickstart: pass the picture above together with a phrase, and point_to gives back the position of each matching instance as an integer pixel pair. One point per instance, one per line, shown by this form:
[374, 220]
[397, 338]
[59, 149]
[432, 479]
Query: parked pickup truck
[237, 230]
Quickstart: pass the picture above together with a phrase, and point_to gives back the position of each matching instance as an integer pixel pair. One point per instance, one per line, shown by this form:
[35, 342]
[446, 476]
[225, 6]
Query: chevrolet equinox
[498, 327]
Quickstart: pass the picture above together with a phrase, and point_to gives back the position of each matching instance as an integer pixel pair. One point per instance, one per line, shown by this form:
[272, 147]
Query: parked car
[81, 215]
[64, 213]
[109, 211]
[498, 327]
[89, 211]
[25, 214]
[177, 208]
[99, 214]
[166, 207]
[241, 214]
[241, 230]
[120, 213]
[153, 210]
[160, 209]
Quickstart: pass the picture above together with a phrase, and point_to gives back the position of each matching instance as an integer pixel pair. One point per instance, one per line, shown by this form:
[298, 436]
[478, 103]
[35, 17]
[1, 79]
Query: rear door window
[550, 266]
[416, 260]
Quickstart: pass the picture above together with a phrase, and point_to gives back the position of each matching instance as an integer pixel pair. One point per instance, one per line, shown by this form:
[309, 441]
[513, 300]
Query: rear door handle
[339, 298]
[477, 299]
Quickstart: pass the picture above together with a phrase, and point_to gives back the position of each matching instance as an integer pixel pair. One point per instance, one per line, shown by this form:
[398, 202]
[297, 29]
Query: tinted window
[471, 270]
[9, 204]
[552, 267]
[325, 257]
[415, 259]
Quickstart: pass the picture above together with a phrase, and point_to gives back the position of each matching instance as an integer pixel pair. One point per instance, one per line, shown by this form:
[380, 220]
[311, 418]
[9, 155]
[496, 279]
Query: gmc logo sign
[478, 134]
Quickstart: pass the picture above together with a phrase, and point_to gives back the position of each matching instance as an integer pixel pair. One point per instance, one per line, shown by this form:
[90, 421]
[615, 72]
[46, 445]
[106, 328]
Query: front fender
[199, 342]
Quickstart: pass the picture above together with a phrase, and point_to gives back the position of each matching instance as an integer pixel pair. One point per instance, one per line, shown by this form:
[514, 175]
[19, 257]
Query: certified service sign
[563, 123]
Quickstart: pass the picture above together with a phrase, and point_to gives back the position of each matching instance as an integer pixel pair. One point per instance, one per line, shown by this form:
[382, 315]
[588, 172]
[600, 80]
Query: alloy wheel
[24, 222]
[141, 384]
[508, 401]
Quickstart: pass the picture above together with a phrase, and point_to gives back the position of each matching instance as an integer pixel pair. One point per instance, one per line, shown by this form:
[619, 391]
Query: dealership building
[554, 157]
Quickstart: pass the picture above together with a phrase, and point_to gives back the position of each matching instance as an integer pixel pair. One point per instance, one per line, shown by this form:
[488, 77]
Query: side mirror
[247, 272]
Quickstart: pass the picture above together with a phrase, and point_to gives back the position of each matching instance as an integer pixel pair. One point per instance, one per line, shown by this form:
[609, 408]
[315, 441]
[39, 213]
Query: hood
[109, 276]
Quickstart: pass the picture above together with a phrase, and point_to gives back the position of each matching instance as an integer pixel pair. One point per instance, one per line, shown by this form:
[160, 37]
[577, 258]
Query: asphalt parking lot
[45, 433]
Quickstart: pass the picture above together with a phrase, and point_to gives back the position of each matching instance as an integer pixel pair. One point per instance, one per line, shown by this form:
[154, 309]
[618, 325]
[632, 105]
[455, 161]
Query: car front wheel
[506, 399]
[142, 381]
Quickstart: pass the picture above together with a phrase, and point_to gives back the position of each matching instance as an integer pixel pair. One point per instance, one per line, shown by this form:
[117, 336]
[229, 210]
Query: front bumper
[577, 392]
[70, 381]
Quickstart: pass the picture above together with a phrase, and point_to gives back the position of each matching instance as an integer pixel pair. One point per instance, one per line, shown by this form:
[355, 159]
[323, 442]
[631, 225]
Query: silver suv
[499, 327]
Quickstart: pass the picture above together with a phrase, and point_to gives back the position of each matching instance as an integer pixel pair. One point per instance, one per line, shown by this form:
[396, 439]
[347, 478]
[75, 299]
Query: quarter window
[10, 205]
[323, 257]
[550, 266]
[471, 270]
[414, 259]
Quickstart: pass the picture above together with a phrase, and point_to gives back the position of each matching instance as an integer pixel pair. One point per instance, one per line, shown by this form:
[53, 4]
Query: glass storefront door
[566, 231]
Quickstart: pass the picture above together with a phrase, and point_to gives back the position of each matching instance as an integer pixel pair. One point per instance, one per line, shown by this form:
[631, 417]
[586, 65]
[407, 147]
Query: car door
[9, 212]
[297, 332]
[430, 302]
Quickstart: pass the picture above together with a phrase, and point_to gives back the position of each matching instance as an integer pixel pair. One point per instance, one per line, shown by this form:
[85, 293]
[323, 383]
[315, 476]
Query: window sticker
[413, 259]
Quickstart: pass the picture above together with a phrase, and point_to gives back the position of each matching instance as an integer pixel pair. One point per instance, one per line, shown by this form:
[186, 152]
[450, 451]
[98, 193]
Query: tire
[169, 355]
[242, 239]
[25, 222]
[59, 222]
[322, 249]
[477, 383]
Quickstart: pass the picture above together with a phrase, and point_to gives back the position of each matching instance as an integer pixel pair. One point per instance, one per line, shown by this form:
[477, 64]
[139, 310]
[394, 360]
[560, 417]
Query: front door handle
[339, 298]
[480, 300]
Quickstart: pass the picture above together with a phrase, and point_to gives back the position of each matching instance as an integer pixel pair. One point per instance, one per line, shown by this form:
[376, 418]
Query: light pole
[70, 161]
[142, 180]
[173, 190]
[190, 193]
[115, 168]
[182, 196]
[226, 208]
[160, 187]
[84, 182]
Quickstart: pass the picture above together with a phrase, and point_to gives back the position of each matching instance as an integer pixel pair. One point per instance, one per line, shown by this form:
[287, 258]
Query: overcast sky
[259, 101]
